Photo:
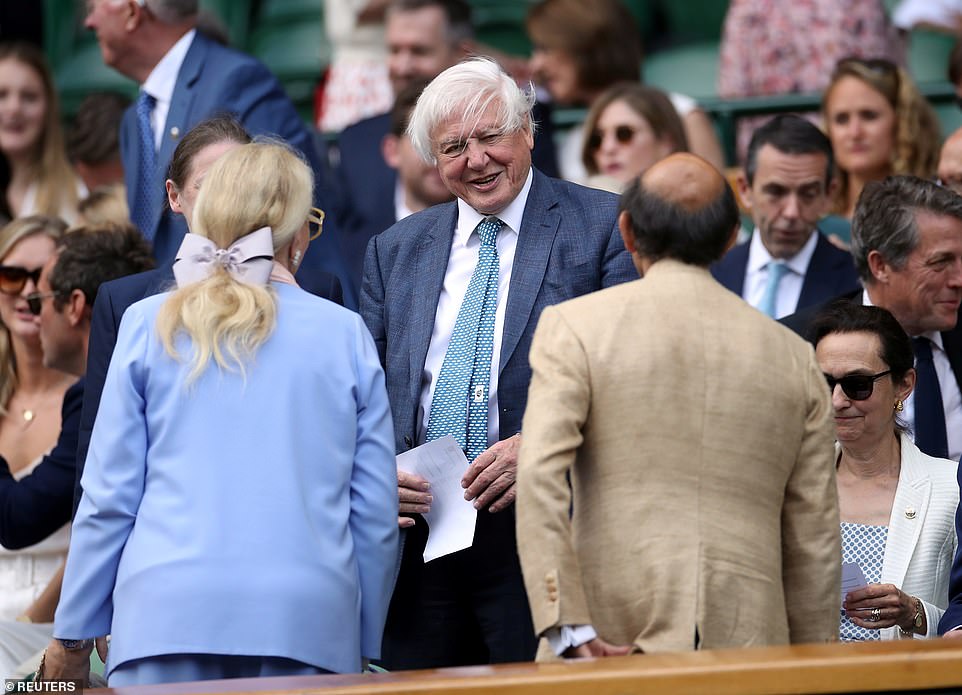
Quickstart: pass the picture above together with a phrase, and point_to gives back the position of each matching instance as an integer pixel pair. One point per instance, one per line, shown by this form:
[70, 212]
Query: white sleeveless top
[25, 573]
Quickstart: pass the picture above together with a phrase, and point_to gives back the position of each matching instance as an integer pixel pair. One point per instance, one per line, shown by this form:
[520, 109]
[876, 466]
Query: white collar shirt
[461, 264]
[161, 81]
[790, 287]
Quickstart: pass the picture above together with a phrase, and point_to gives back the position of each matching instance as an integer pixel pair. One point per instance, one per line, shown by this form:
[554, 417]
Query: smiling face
[869, 422]
[480, 164]
[786, 198]
[925, 293]
[418, 46]
[626, 144]
[861, 125]
[23, 108]
[32, 253]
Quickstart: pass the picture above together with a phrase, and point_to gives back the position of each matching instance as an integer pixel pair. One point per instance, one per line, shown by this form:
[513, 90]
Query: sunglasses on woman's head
[858, 387]
[13, 278]
[623, 134]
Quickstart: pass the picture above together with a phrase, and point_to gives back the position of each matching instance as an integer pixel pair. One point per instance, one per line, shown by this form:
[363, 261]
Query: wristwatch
[917, 620]
[74, 645]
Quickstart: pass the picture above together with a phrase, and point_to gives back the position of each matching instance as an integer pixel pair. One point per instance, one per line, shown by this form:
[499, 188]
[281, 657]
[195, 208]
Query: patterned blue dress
[864, 545]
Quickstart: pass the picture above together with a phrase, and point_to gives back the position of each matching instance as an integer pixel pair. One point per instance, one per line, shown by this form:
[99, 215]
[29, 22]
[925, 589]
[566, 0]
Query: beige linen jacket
[697, 434]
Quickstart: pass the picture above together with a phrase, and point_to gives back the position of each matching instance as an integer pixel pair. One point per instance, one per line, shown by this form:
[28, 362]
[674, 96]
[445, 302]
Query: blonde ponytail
[261, 184]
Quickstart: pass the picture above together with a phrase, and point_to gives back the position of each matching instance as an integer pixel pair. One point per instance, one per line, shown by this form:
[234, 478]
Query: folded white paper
[452, 518]
[852, 578]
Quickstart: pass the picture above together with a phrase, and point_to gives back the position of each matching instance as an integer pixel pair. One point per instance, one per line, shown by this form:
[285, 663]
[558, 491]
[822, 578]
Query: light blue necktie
[141, 214]
[460, 403]
[776, 271]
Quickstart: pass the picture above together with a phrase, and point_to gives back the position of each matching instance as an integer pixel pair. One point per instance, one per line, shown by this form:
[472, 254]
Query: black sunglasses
[35, 301]
[623, 134]
[13, 278]
[858, 387]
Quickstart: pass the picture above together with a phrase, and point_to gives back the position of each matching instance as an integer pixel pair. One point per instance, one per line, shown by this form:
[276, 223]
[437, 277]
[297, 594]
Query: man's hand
[60, 664]
[596, 648]
[413, 497]
[490, 479]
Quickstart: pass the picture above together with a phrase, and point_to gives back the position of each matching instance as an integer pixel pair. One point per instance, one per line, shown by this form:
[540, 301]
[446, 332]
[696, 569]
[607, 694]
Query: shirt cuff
[562, 637]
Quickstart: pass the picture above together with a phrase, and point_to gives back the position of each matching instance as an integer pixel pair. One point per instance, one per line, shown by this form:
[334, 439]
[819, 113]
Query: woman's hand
[62, 664]
[877, 606]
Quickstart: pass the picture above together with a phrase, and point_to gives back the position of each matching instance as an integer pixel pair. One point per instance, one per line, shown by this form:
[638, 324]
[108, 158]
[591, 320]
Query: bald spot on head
[684, 180]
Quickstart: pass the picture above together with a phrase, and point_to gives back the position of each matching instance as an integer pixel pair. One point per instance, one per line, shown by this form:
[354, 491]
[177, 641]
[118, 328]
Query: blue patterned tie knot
[459, 406]
[142, 214]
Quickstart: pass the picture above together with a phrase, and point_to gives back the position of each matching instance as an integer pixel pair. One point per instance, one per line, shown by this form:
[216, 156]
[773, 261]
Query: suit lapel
[430, 265]
[539, 226]
[815, 275]
[908, 514]
[178, 116]
[952, 344]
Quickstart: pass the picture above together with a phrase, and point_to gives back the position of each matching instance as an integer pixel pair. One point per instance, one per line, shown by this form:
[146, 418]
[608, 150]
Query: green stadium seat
[500, 24]
[297, 53]
[928, 55]
[288, 10]
[83, 72]
[694, 20]
[690, 70]
[950, 118]
[234, 14]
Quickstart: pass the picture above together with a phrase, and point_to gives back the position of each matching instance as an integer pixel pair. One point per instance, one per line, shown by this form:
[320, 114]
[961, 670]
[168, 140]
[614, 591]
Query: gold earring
[898, 406]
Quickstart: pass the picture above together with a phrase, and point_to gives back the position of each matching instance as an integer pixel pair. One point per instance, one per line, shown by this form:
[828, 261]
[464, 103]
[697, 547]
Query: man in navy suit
[423, 38]
[186, 77]
[787, 184]
[558, 241]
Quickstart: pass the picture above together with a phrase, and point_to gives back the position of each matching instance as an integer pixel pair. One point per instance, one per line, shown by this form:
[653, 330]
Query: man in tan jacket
[701, 508]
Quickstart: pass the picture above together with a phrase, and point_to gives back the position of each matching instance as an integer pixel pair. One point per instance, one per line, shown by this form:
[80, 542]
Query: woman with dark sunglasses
[897, 505]
[629, 128]
[31, 397]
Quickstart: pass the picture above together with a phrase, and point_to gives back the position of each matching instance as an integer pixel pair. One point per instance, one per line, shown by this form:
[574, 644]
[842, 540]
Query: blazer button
[909, 512]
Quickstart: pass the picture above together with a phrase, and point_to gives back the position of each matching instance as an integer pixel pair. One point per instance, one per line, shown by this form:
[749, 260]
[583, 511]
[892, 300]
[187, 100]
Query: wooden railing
[909, 666]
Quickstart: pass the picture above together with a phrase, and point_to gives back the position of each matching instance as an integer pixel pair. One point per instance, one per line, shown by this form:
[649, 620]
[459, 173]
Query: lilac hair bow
[248, 260]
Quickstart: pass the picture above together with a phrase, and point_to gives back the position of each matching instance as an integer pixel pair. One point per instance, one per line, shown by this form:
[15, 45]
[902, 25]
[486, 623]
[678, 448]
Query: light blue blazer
[240, 515]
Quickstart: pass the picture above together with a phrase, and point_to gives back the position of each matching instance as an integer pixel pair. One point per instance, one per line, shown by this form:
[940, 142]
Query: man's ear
[389, 150]
[173, 197]
[137, 15]
[627, 233]
[879, 267]
[744, 190]
[76, 309]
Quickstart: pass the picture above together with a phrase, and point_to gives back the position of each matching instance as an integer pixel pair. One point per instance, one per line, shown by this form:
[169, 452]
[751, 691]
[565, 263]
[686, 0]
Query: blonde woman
[31, 398]
[240, 484]
[879, 125]
[36, 176]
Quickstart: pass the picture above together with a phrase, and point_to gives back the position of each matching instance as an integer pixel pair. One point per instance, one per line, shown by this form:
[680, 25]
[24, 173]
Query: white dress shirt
[951, 396]
[161, 81]
[790, 287]
[461, 264]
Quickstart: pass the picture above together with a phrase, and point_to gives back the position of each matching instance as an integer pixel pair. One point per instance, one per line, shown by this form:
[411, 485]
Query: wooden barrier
[890, 667]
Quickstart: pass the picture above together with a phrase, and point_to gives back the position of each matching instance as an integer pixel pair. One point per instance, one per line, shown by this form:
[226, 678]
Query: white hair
[467, 89]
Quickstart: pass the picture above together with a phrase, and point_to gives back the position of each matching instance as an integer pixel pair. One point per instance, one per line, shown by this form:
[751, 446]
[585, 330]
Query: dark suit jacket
[34, 507]
[213, 80]
[568, 245]
[112, 301]
[364, 183]
[831, 272]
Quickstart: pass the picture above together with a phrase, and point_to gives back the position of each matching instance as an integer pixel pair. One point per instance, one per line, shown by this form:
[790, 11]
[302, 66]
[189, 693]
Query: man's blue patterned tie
[141, 214]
